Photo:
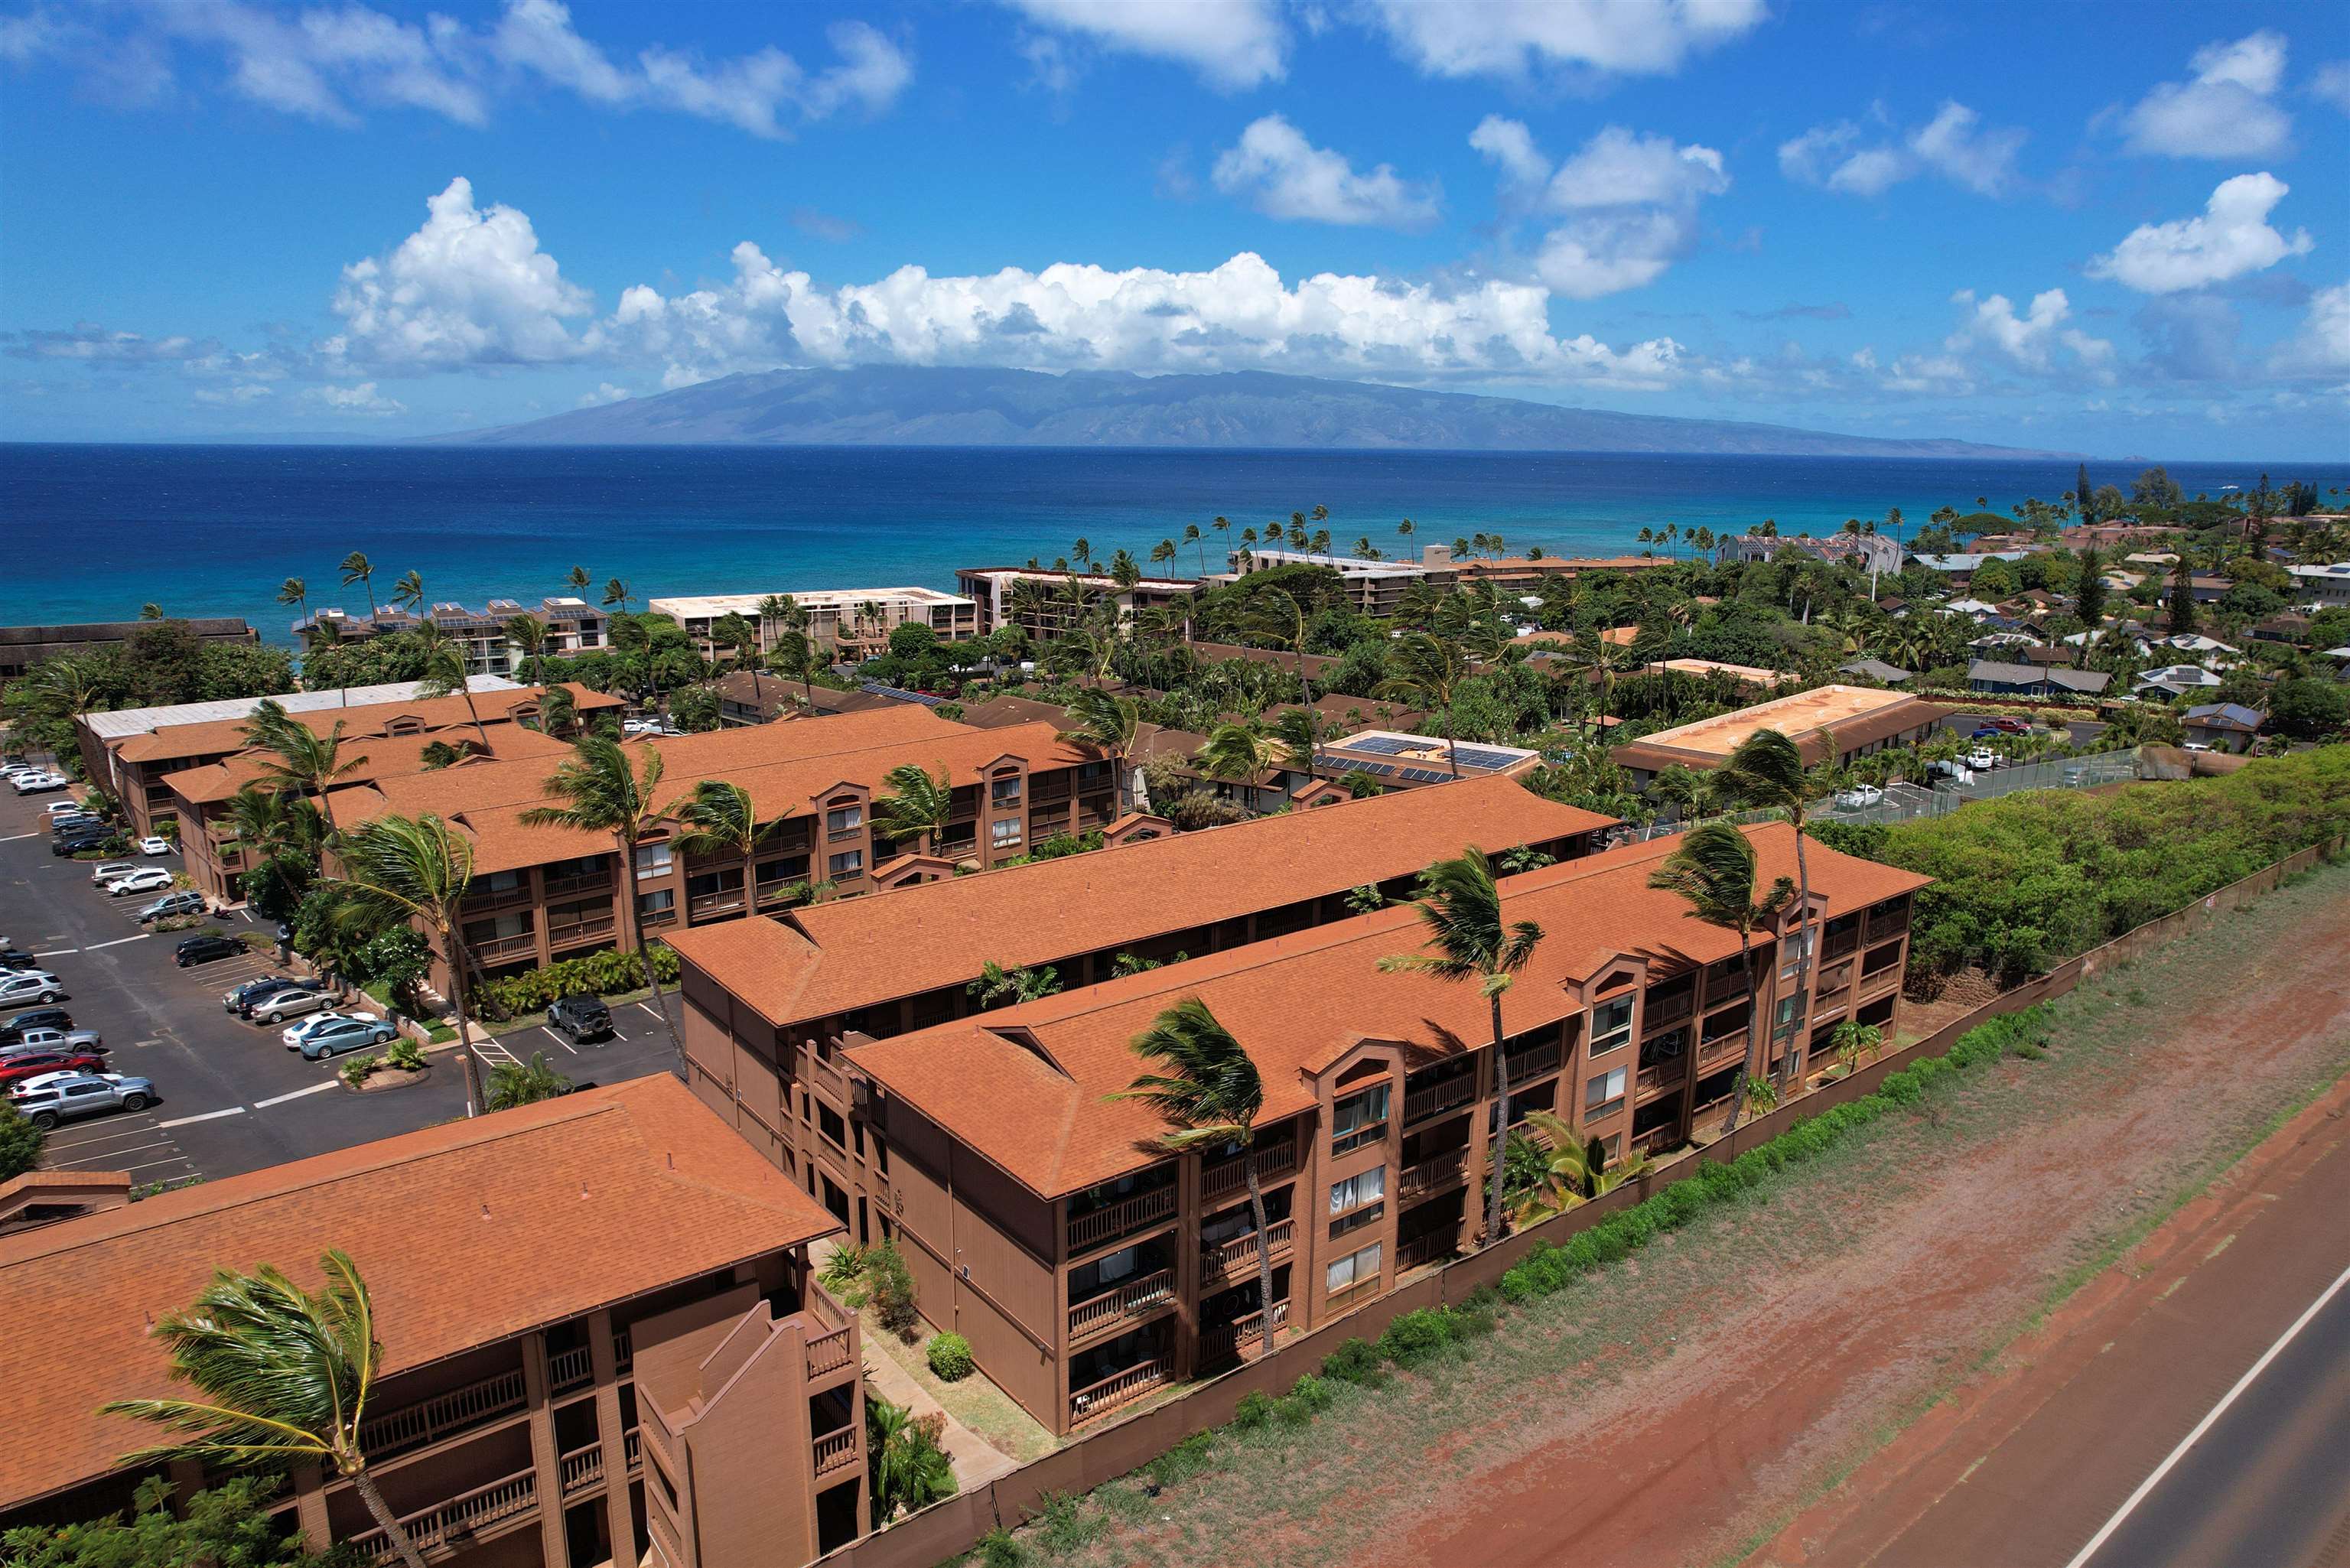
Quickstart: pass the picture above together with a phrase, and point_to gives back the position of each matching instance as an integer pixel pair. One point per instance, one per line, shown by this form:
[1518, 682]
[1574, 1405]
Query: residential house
[23, 647]
[1528, 574]
[2286, 629]
[849, 623]
[1829, 724]
[1047, 603]
[2174, 680]
[2222, 726]
[2210, 649]
[2322, 587]
[2003, 680]
[601, 1341]
[1961, 566]
[753, 696]
[1877, 670]
[1870, 552]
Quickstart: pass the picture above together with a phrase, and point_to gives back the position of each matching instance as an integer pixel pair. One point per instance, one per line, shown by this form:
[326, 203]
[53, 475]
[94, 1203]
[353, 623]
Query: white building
[858, 622]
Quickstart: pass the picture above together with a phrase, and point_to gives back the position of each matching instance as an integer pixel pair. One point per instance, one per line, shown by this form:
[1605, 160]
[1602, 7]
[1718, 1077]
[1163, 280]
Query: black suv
[36, 1018]
[204, 949]
[583, 1018]
[253, 990]
[74, 843]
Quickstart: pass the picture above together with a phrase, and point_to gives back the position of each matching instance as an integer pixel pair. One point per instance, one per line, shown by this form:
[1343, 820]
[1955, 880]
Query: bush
[893, 1290]
[950, 1358]
[999, 1548]
[1418, 1336]
[359, 1069]
[404, 1053]
[1354, 1361]
[1185, 1460]
[606, 974]
[1064, 1523]
[1255, 1410]
[1308, 1399]
[20, 1143]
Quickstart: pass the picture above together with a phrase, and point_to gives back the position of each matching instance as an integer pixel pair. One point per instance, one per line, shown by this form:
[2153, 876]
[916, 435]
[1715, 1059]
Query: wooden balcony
[1885, 978]
[711, 905]
[1655, 1140]
[624, 1355]
[1431, 1176]
[1840, 945]
[1672, 1009]
[1654, 1081]
[445, 1528]
[836, 1451]
[569, 1369]
[1533, 1062]
[578, 882]
[504, 950]
[1129, 1303]
[1273, 1161]
[1726, 1051]
[829, 1077]
[1236, 1259]
[443, 1415]
[486, 900]
[581, 1468]
[1122, 1388]
[1242, 1340]
[1423, 1250]
[1142, 1210]
[1435, 1099]
[827, 1353]
[574, 935]
[1886, 923]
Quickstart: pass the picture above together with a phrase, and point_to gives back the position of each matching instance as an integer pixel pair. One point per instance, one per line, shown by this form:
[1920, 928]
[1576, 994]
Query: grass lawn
[975, 1402]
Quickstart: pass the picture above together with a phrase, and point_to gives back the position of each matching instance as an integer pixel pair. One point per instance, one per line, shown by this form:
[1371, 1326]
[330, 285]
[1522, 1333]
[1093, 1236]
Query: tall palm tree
[408, 593]
[400, 868]
[1426, 671]
[617, 592]
[917, 806]
[1280, 619]
[604, 792]
[358, 570]
[529, 633]
[1713, 873]
[1460, 906]
[1234, 754]
[286, 1375]
[268, 822]
[718, 818]
[1108, 724]
[1766, 770]
[444, 672]
[795, 658]
[294, 594]
[297, 758]
[1210, 1091]
[578, 580]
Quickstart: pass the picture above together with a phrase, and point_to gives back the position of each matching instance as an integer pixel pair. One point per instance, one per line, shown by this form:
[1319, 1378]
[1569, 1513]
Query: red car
[31, 1063]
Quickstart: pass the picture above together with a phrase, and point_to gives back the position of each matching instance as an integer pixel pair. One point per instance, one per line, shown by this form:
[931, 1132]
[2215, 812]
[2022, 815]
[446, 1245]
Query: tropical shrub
[1356, 1360]
[1255, 1410]
[950, 1358]
[892, 1286]
[20, 1144]
[1418, 1336]
[606, 974]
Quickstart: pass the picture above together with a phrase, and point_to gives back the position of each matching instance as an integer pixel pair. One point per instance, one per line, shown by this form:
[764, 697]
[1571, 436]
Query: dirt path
[1677, 1412]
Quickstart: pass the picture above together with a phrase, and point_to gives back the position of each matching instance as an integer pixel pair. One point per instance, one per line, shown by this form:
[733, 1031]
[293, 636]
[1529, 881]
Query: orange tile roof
[376, 756]
[467, 1233]
[219, 736]
[831, 958]
[1042, 1114]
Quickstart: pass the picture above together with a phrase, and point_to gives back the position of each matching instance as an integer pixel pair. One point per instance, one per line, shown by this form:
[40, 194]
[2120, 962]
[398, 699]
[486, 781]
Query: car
[67, 1039]
[294, 1033]
[77, 822]
[254, 990]
[1957, 772]
[1860, 797]
[67, 808]
[1985, 732]
[2009, 726]
[1982, 760]
[37, 783]
[18, 1067]
[583, 1018]
[107, 871]
[74, 844]
[15, 1028]
[152, 879]
[154, 846]
[204, 948]
[37, 986]
[341, 1035]
[63, 1096]
[185, 902]
[16, 958]
[2196, 746]
[286, 1004]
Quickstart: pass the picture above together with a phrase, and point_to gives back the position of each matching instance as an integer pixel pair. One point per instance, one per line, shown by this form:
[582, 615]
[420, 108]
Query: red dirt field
[1796, 1369]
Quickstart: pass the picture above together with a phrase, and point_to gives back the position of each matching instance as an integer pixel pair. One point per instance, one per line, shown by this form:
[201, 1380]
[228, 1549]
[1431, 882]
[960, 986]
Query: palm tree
[1233, 754]
[399, 869]
[515, 1084]
[1428, 670]
[917, 806]
[1766, 770]
[1108, 724]
[1460, 906]
[408, 593]
[1211, 1093]
[286, 1375]
[617, 592]
[1191, 536]
[795, 660]
[299, 758]
[1713, 872]
[358, 570]
[718, 818]
[578, 580]
[909, 1470]
[1281, 619]
[1577, 1168]
[296, 594]
[603, 792]
[444, 671]
[268, 822]
[997, 986]
[529, 633]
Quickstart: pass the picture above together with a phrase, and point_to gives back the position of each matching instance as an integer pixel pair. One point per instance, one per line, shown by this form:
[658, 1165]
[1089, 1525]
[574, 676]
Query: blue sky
[2116, 228]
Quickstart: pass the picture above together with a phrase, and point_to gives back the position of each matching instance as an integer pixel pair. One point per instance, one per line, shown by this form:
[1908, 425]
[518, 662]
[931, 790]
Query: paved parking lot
[232, 1097]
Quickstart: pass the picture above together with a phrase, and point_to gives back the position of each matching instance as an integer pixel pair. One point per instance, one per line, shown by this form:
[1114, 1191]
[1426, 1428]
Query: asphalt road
[233, 1096]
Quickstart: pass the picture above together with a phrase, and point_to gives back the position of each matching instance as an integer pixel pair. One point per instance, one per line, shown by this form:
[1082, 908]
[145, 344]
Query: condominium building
[854, 622]
[1047, 603]
[1374, 587]
[1526, 574]
[1870, 552]
[23, 647]
[1087, 1267]
[1829, 724]
[601, 1341]
[573, 627]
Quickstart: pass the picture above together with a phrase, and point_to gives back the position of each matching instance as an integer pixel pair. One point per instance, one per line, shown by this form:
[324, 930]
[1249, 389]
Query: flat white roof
[1347, 565]
[123, 722]
[747, 605]
[1091, 579]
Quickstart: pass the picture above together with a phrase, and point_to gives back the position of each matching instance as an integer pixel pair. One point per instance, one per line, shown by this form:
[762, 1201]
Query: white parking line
[12, 837]
[205, 1117]
[281, 1099]
[115, 1154]
[492, 1044]
[117, 1135]
[119, 941]
[57, 953]
[558, 1039]
[648, 1012]
[184, 1159]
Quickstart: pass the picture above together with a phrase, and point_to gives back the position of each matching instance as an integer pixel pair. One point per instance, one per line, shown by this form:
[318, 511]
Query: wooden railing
[1890, 924]
[715, 903]
[1228, 1260]
[1840, 943]
[836, 1451]
[578, 882]
[581, 1467]
[1435, 1098]
[487, 900]
[827, 1353]
[1272, 1161]
[1722, 1053]
[624, 1355]
[1884, 975]
[1242, 1340]
[466, 1515]
[829, 1075]
[1124, 1388]
[1119, 1218]
[582, 931]
[1419, 1180]
[1655, 1138]
[1654, 1081]
[632, 1444]
[430, 1420]
[1672, 1009]
[1424, 1249]
[1534, 1061]
[570, 1369]
[497, 950]
[1130, 1300]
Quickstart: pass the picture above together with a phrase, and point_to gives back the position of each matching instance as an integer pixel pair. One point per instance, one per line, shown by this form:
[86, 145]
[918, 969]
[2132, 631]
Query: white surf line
[281, 1099]
[119, 941]
[204, 1116]
[2208, 1422]
[558, 1039]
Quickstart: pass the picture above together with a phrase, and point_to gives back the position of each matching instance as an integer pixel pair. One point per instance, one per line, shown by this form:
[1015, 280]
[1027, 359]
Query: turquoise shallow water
[90, 533]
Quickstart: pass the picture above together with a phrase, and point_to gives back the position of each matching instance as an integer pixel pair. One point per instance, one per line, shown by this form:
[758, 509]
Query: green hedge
[606, 974]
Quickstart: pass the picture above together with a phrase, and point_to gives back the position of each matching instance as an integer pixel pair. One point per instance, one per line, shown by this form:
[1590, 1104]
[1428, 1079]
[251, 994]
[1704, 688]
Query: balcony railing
[489, 898]
[578, 882]
[624, 1355]
[1425, 1249]
[569, 1369]
[707, 904]
[1431, 1174]
[836, 1451]
[1221, 1261]
[1242, 1340]
[633, 1446]
[498, 950]
[1654, 1081]
[1876, 974]
[1123, 1389]
[466, 1515]
[585, 932]
[1889, 923]
[1840, 943]
[1534, 1061]
[827, 1353]
[1722, 1052]
[1272, 1161]
[1088, 1230]
[581, 1468]
[1437, 1098]
[430, 1420]
[829, 1077]
[1133, 1299]
[1671, 1009]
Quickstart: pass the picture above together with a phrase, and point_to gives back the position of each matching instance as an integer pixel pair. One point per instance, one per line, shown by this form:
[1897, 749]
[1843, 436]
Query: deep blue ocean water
[90, 533]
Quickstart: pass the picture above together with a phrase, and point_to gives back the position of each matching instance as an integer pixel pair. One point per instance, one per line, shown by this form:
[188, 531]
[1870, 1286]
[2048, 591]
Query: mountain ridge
[1261, 410]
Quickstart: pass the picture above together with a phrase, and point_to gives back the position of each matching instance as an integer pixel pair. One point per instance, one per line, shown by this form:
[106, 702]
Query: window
[1605, 1088]
[1359, 1119]
[844, 818]
[1611, 1025]
[654, 859]
[1791, 952]
[1005, 832]
[1353, 1269]
[657, 906]
[848, 863]
[1367, 1188]
[1004, 791]
[1783, 1016]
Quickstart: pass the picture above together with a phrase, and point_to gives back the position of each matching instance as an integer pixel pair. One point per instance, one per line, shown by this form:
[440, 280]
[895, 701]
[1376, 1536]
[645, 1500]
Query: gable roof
[373, 757]
[830, 959]
[2223, 716]
[220, 736]
[467, 1233]
[1295, 1002]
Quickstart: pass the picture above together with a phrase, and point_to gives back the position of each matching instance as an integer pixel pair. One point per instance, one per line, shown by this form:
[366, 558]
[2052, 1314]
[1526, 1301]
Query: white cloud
[1954, 144]
[2223, 110]
[1233, 44]
[2233, 238]
[1282, 175]
[470, 288]
[2028, 342]
[2322, 345]
[91, 343]
[1520, 37]
[2332, 83]
[1624, 206]
[232, 397]
[605, 392]
[362, 399]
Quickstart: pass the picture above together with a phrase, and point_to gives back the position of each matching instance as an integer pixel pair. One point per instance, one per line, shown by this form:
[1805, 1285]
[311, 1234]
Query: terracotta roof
[831, 958]
[774, 695]
[376, 756]
[467, 1233]
[220, 736]
[1041, 1113]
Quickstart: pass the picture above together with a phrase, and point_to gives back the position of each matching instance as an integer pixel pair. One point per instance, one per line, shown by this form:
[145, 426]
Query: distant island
[903, 406]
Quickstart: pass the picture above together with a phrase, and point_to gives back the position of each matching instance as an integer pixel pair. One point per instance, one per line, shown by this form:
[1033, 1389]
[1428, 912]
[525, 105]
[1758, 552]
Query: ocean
[93, 532]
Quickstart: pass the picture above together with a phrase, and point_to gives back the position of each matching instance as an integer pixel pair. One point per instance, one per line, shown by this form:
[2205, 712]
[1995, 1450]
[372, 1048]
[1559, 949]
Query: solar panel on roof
[1425, 776]
[898, 694]
[1476, 757]
[1384, 745]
